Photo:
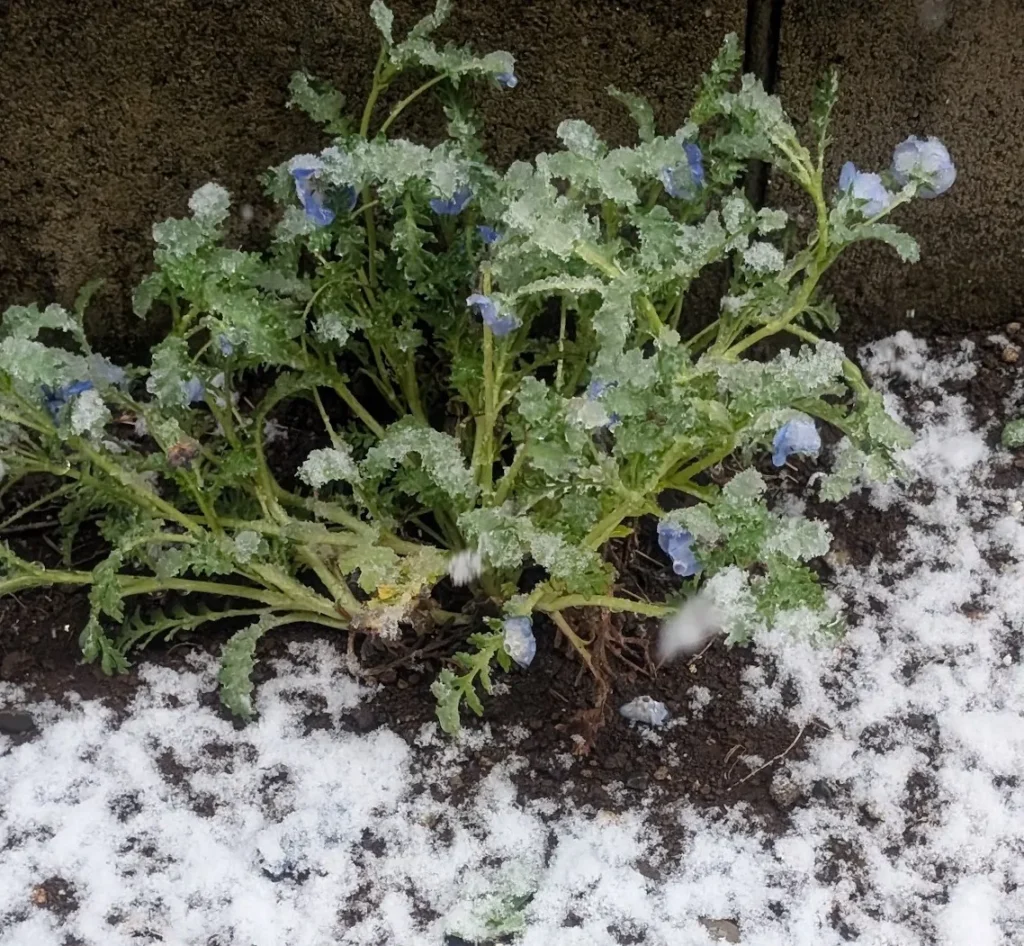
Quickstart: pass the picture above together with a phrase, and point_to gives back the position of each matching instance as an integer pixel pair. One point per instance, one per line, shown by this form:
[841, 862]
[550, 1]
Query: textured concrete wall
[950, 68]
[114, 112]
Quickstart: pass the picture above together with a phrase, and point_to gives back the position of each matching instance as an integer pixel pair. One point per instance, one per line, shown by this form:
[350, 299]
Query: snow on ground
[910, 831]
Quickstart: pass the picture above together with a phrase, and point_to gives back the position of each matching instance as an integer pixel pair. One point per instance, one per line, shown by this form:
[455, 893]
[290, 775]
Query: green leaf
[639, 109]
[903, 243]
[237, 660]
[1013, 434]
[384, 20]
[724, 69]
[319, 100]
[825, 97]
[146, 293]
[450, 690]
[440, 460]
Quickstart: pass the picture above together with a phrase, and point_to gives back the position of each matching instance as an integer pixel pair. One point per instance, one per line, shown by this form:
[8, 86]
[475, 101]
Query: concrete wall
[951, 68]
[113, 112]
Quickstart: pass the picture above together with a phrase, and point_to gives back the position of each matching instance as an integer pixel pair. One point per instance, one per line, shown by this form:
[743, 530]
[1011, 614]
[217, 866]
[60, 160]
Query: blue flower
[800, 436]
[454, 205]
[225, 346]
[192, 390]
[54, 400]
[926, 160]
[311, 193]
[677, 543]
[498, 322]
[507, 80]
[488, 234]
[520, 644]
[687, 178]
[864, 187]
[595, 391]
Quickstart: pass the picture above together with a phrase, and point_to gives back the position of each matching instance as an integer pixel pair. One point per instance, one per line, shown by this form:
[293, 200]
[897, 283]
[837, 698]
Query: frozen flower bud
[224, 346]
[465, 566]
[520, 644]
[926, 161]
[595, 390]
[677, 543]
[501, 323]
[311, 190]
[454, 205]
[507, 80]
[53, 401]
[645, 709]
[866, 188]
[799, 436]
[687, 178]
[192, 390]
[488, 234]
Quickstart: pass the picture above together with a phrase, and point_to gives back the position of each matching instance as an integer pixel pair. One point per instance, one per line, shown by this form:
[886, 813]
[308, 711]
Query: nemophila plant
[505, 368]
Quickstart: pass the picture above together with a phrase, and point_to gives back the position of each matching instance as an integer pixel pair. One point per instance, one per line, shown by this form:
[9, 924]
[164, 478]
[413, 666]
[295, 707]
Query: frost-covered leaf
[209, 205]
[329, 465]
[439, 455]
[1013, 434]
[237, 660]
[639, 109]
[26, 322]
[718, 78]
[319, 100]
[89, 414]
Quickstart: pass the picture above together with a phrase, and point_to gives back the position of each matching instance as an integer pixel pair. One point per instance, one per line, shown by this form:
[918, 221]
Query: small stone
[660, 774]
[784, 791]
[1013, 328]
[1019, 463]
[1008, 661]
[638, 783]
[39, 895]
[725, 931]
[16, 724]
[1011, 354]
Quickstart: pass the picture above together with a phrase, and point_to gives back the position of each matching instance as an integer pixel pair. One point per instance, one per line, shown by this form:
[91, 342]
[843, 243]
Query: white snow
[910, 831]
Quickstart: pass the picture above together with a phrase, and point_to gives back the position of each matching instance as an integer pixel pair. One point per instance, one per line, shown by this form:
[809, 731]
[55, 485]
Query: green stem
[147, 498]
[31, 507]
[409, 99]
[610, 602]
[509, 477]
[561, 345]
[342, 390]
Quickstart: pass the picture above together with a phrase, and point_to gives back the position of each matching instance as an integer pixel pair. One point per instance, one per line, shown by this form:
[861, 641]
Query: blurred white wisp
[690, 628]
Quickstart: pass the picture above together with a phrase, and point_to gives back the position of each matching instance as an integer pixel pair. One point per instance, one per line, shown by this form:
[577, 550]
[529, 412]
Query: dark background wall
[113, 111]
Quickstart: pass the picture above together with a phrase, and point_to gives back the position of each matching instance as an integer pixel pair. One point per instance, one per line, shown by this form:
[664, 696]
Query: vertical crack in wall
[761, 57]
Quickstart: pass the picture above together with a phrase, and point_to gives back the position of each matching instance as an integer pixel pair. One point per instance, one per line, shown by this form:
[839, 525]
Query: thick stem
[610, 602]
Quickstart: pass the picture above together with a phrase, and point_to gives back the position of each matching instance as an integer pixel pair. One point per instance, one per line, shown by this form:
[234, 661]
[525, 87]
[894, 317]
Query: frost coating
[798, 436]
[465, 567]
[328, 465]
[209, 204]
[763, 258]
[519, 642]
[645, 709]
[89, 414]
[247, 544]
[926, 160]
